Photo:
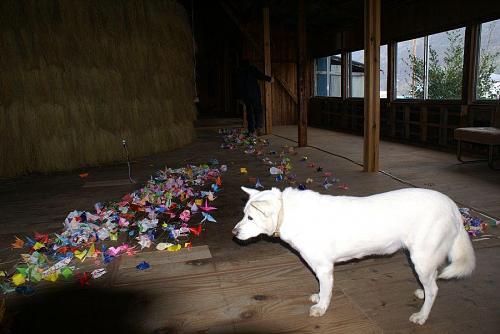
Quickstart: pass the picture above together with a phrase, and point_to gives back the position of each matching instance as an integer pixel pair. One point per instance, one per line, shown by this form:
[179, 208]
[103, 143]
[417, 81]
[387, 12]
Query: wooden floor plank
[164, 265]
[385, 293]
[274, 299]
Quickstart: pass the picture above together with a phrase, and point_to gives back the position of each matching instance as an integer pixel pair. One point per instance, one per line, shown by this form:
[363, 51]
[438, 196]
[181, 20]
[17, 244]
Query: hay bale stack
[77, 77]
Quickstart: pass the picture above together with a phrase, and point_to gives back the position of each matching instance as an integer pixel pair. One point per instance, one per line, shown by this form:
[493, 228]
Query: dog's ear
[263, 207]
[250, 191]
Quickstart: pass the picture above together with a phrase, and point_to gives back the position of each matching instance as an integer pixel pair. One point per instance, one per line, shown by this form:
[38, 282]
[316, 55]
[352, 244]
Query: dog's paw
[314, 298]
[418, 318]
[317, 311]
[419, 293]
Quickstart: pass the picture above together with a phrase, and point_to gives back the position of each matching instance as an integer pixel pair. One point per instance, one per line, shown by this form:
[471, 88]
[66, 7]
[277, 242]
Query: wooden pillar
[372, 86]
[469, 73]
[391, 86]
[302, 74]
[344, 73]
[391, 72]
[267, 71]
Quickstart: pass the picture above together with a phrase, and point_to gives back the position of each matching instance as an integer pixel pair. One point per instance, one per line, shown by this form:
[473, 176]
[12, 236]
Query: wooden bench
[480, 135]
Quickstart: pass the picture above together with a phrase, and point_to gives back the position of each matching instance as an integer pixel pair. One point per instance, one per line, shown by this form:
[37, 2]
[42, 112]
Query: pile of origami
[172, 207]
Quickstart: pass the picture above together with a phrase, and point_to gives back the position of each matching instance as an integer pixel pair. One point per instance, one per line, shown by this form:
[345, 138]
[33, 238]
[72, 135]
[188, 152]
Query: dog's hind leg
[325, 276]
[427, 274]
[419, 293]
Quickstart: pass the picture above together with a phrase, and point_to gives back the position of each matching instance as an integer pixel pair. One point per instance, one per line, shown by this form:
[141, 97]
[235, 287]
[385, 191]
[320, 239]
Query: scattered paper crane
[208, 217]
[326, 184]
[206, 207]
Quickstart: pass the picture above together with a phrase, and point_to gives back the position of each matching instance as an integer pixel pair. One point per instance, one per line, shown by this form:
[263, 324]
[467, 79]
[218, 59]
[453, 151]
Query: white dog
[328, 229]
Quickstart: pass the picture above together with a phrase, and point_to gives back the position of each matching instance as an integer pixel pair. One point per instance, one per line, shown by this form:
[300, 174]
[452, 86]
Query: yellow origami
[18, 279]
[174, 248]
[198, 202]
[113, 236]
[52, 277]
[82, 255]
[38, 245]
[243, 170]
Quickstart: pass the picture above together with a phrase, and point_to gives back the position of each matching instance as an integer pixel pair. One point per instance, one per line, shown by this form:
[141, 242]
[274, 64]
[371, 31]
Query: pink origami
[185, 215]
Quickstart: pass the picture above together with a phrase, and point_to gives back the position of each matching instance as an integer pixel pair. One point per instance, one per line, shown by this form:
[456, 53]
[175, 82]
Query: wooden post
[391, 72]
[267, 71]
[470, 64]
[469, 72]
[344, 70]
[302, 74]
[372, 86]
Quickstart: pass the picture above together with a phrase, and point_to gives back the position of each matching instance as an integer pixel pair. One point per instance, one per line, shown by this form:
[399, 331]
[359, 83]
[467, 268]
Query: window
[431, 67]
[357, 74]
[488, 75]
[356, 81]
[383, 71]
[327, 76]
[409, 69]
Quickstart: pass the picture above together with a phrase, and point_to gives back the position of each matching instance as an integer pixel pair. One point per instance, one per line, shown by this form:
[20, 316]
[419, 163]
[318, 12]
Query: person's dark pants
[254, 115]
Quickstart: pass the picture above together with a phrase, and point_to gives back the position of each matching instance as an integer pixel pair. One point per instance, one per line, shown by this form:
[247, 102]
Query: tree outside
[445, 77]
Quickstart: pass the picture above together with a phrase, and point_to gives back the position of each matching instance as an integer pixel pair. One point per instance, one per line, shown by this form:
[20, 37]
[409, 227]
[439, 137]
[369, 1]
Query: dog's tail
[461, 256]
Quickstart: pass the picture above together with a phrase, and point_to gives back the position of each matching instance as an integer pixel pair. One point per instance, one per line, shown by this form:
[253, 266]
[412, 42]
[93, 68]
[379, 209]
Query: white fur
[329, 229]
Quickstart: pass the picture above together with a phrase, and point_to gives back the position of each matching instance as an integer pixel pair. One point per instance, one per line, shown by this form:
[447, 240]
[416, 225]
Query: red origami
[84, 280]
[195, 230]
[43, 238]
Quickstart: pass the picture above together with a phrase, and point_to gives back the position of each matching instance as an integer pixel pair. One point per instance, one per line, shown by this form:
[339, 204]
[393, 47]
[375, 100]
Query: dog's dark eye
[250, 218]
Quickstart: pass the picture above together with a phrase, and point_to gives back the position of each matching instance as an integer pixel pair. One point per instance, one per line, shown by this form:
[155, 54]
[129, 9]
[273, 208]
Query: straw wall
[79, 76]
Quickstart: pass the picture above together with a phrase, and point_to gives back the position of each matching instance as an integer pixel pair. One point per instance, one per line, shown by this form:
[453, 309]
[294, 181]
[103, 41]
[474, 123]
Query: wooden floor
[221, 286]
[473, 185]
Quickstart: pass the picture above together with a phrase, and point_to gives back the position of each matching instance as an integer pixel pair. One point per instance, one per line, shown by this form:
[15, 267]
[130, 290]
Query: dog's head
[261, 213]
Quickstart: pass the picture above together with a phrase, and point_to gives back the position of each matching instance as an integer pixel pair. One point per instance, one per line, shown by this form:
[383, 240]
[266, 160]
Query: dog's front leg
[324, 274]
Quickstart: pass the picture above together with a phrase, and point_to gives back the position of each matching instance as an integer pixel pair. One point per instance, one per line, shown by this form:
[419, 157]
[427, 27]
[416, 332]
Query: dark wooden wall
[220, 47]
[284, 70]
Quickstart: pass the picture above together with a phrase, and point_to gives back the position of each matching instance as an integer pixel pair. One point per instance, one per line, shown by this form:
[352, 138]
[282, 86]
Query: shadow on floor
[92, 310]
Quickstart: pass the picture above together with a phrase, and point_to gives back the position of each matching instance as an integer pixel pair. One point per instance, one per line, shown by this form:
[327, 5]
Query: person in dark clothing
[249, 93]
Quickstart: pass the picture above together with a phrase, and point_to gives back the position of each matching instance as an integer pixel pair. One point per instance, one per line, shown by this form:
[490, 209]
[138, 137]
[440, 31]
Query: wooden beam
[256, 46]
[391, 72]
[470, 69]
[267, 71]
[302, 74]
[470, 64]
[344, 73]
[372, 86]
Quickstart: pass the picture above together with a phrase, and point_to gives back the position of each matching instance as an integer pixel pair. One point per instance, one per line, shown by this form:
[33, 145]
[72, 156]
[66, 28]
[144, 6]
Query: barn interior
[102, 99]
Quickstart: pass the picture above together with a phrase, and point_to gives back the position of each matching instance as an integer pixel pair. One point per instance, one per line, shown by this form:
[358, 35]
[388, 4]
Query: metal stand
[125, 147]
[491, 149]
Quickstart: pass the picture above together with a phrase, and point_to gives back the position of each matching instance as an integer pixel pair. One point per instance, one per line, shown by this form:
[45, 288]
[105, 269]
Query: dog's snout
[235, 231]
